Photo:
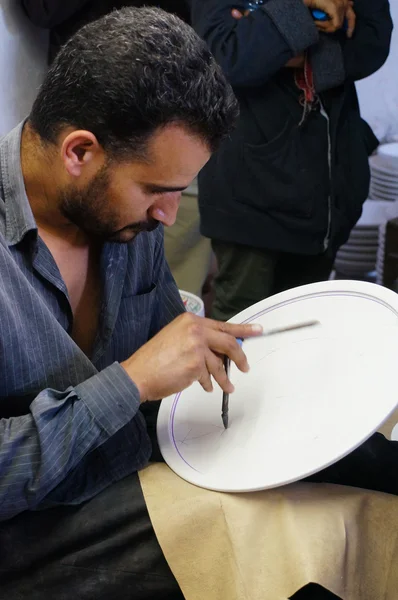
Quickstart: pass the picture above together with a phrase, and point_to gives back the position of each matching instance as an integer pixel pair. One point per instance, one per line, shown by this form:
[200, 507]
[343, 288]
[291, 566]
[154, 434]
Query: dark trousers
[103, 549]
[247, 275]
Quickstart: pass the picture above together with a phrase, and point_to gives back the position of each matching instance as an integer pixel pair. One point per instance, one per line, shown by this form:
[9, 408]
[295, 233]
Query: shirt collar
[19, 219]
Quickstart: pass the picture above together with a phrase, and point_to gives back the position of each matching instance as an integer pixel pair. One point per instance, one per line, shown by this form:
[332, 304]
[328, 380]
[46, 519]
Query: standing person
[283, 193]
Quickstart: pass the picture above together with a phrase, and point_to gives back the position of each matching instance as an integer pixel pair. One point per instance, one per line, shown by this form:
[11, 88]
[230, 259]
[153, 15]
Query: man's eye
[157, 193]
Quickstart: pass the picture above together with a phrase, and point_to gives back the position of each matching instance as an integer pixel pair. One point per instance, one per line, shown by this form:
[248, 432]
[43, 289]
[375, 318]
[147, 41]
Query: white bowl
[193, 303]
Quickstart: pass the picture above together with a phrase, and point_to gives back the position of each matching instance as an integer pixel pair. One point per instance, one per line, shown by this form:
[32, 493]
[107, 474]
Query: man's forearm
[40, 449]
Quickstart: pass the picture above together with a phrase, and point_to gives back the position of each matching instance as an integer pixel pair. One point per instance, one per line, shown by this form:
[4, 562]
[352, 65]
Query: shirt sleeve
[252, 49]
[65, 431]
[368, 49]
[336, 59]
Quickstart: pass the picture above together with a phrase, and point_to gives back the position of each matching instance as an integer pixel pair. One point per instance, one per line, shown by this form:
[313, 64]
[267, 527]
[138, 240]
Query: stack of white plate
[384, 170]
[359, 255]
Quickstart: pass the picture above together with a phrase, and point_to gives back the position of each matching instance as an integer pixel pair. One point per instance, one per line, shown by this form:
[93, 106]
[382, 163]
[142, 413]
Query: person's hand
[189, 349]
[337, 11]
[351, 19]
[237, 14]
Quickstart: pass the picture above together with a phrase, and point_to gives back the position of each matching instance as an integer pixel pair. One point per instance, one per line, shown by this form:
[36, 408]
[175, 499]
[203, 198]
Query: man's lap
[105, 548]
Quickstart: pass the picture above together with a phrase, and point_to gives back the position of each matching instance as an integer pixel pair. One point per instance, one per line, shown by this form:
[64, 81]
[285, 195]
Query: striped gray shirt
[69, 426]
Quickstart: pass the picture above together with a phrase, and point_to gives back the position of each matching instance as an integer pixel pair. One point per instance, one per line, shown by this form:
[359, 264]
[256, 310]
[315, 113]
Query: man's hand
[351, 19]
[338, 11]
[188, 349]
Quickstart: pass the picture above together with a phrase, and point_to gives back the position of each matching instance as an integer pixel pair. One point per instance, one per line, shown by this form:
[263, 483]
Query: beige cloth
[187, 251]
[267, 545]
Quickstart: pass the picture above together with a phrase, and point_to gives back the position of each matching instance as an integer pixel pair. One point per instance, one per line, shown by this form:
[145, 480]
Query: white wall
[23, 50]
[378, 95]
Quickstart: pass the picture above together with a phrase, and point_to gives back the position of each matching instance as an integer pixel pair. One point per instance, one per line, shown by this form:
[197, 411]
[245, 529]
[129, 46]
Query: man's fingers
[215, 366]
[325, 26]
[351, 21]
[337, 14]
[224, 344]
[205, 379]
[236, 330]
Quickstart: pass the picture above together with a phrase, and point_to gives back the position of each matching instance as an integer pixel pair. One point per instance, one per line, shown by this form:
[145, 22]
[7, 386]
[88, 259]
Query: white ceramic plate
[385, 189]
[355, 268]
[311, 396]
[384, 165]
[390, 149]
[354, 254]
[357, 243]
[357, 250]
[356, 259]
[378, 194]
[385, 176]
[365, 235]
[385, 183]
[384, 198]
[373, 214]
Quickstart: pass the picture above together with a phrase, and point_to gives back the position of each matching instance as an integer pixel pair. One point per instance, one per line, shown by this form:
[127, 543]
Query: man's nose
[165, 210]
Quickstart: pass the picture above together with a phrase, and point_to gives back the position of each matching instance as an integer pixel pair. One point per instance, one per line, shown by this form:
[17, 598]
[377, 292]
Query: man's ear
[78, 150]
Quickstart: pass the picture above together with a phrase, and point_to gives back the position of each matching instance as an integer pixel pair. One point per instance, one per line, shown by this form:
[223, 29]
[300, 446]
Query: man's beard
[88, 209]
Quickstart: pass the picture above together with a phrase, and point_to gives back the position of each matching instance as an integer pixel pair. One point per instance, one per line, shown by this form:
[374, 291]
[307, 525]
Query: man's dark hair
[128, 74]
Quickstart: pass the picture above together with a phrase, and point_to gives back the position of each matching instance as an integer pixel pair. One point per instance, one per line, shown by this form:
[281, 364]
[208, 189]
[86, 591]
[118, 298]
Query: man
[283, 193]
[188, 253]
[129, 112]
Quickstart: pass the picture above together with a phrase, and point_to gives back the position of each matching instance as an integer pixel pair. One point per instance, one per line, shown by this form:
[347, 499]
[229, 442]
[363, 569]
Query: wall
[22, 63]
[378, 95]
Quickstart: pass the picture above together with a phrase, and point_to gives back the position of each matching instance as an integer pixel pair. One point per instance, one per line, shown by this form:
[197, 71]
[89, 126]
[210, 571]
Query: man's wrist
[138, 382]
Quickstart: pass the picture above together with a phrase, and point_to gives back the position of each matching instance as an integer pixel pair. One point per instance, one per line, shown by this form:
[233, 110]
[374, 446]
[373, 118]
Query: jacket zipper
[326, 239]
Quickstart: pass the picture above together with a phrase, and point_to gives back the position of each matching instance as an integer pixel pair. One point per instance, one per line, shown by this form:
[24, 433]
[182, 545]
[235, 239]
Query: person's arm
[49, 13]
[337, 59]
[368, 50]
[40, 449]
[252, 49]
